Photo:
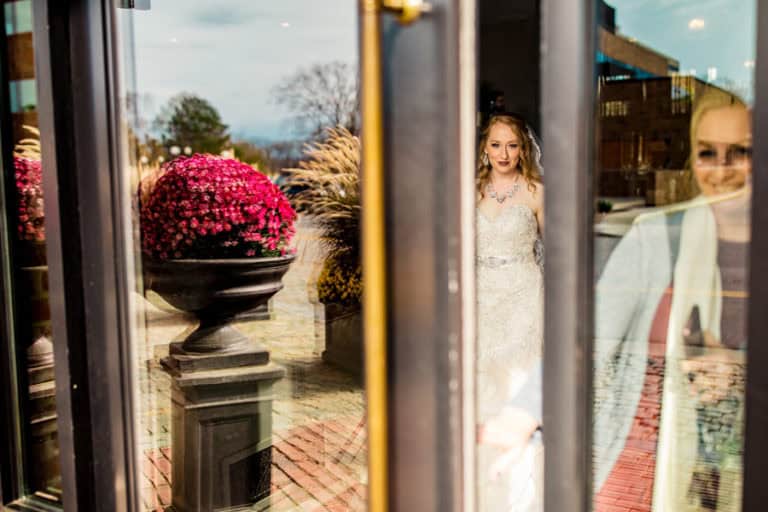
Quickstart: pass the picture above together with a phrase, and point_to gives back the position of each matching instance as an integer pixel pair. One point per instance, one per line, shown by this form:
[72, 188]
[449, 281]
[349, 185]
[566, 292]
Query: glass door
[648, 116]
[240, 160]
[31, 472]
[673, 205]
[210, 191]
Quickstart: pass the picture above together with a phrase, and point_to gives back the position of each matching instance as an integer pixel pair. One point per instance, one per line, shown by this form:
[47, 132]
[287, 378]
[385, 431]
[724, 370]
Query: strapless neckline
[504, 210]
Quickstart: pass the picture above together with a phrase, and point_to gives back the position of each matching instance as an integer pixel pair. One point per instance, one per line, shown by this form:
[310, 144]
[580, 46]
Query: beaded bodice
[511, 237]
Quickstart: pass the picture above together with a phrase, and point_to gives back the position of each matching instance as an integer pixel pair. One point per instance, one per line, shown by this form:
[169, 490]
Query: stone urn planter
[217, 292]
[221, 427]
[215, 237]
[32, 275]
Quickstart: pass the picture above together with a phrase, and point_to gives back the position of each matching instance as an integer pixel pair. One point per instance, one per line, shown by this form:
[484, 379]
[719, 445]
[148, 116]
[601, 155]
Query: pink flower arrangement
[210, 207]
[29, 187]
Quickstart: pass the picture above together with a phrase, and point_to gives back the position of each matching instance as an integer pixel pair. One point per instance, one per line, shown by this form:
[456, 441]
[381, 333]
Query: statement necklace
[500, 199]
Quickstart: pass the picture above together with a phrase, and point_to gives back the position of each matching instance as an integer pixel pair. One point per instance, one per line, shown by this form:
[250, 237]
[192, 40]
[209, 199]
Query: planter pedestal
[45, 473]
[32, 275]
[221, 427]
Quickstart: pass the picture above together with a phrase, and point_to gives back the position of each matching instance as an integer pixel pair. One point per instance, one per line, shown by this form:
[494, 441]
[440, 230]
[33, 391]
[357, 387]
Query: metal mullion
[77, 118]
[468, 77]
[422, 181]
[568, 98]
[756, 442]
[43, 41]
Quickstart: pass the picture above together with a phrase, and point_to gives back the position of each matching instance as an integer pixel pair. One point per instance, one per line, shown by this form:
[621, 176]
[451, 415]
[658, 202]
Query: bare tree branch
[322, 96]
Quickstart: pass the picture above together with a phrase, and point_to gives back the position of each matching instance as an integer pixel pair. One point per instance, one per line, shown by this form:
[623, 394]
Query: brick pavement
[319, 449]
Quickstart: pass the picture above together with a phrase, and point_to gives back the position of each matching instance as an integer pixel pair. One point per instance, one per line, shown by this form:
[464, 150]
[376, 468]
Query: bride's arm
[520, 417]
[528, 399]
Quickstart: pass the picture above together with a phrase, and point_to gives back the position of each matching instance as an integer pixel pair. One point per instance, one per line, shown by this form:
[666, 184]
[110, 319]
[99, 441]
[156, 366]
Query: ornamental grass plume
[328, 181]
[329, 184]
[29, 147]
[206, 207]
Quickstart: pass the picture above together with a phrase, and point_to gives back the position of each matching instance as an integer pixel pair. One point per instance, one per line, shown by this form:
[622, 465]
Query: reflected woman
[671, 332]
[510, 303]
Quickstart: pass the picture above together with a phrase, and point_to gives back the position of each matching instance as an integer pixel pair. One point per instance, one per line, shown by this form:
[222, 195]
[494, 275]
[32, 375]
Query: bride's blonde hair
[530, 155]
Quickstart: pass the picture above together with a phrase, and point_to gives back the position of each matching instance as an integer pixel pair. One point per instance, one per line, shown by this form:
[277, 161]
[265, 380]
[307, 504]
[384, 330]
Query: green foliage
[254, 155]
[340, 282]
[188, 120]
[604, 206]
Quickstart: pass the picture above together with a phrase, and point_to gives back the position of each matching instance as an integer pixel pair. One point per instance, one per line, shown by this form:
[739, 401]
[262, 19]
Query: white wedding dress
[509, 350]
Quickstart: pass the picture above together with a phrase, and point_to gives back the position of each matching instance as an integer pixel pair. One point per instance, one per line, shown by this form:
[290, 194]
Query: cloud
[226, 15]
[232, 52]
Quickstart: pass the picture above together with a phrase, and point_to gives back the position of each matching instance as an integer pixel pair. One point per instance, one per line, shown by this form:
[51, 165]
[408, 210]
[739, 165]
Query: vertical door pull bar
[374, 238]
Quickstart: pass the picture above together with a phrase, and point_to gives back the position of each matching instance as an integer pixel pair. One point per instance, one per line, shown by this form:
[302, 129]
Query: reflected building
[645, 115]
[620, 57]
[21, 67]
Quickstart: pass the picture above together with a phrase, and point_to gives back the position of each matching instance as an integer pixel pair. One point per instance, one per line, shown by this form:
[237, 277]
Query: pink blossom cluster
[29, 187]
[205, 206]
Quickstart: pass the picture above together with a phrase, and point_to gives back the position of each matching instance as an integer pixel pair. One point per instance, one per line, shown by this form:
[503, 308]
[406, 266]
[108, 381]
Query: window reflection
[672, 224]
[33, 344]
[242, 129]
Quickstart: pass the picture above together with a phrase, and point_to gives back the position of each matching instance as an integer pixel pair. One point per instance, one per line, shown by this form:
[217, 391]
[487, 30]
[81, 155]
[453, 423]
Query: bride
[510, 306]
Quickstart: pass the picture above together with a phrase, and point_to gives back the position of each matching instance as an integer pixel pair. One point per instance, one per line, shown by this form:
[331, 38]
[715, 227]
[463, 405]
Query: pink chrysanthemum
[29, 187]
[210, 207]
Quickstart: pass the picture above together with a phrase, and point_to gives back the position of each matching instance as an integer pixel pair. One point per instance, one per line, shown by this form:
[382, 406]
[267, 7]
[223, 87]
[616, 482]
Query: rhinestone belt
[499, 261]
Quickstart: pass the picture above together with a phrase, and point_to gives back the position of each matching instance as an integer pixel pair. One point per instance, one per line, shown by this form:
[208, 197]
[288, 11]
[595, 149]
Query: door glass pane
[29, 348]
[241, 161]
[671, 220]
[510, 260]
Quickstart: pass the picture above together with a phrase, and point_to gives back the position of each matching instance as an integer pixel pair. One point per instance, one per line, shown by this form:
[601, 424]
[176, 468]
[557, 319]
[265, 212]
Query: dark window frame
[78, 107]
[569, 108]
[756, 442]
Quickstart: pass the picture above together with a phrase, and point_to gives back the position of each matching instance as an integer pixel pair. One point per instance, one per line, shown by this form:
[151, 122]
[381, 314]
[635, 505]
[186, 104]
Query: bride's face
[503, 148]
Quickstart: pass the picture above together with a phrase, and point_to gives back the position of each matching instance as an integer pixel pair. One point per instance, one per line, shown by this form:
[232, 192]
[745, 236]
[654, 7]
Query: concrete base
[221, 428]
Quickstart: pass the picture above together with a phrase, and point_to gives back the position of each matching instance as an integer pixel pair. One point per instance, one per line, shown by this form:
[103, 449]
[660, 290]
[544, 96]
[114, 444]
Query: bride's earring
[485, 160]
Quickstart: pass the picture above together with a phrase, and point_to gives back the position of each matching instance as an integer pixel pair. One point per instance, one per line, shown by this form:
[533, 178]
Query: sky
[700, 34]
[233, 52]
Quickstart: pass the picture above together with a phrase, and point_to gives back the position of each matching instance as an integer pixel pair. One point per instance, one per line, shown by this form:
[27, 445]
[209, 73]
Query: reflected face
[503, 148]
[722, 151]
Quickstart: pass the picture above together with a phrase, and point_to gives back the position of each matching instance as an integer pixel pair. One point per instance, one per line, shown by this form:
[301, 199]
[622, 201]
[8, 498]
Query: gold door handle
[407, 11]
[374, 238]
[373, 255]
